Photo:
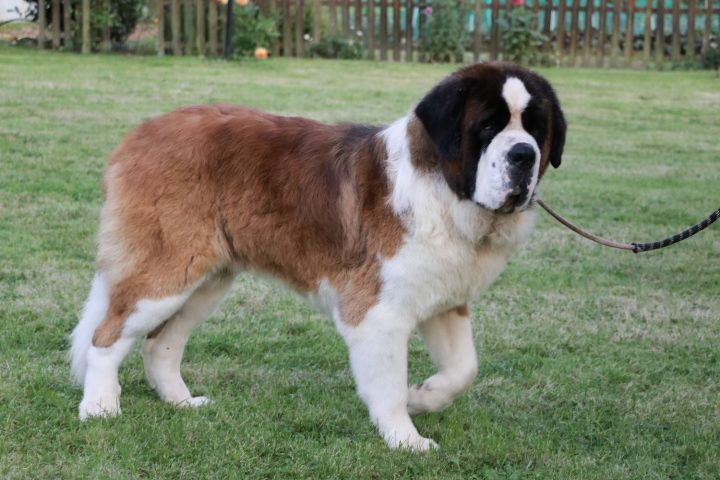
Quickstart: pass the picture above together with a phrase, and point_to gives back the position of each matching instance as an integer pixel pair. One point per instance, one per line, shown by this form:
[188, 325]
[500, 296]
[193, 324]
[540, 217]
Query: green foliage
[520, 40]
[252, 29]
[686, 64]
[711, 58]
[122, 15]
[444, 38]
[338, 47]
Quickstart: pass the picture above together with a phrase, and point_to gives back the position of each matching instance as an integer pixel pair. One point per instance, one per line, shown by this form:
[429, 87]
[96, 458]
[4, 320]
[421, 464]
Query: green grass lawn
[594, 363]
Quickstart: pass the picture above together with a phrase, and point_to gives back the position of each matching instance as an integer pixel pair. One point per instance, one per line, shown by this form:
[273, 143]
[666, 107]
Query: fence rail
[578, 32]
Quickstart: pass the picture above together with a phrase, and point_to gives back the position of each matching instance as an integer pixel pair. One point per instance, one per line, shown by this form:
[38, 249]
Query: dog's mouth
[516, 201]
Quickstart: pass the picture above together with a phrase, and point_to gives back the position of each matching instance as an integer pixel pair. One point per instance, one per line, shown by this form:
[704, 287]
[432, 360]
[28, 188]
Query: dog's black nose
[522, 155]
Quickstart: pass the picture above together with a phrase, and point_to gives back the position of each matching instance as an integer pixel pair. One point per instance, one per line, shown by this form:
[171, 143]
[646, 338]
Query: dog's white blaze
[493, 183]
[515, 94]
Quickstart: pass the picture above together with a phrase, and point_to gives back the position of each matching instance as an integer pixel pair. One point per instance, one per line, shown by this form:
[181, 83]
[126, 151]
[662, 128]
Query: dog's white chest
[427, 277]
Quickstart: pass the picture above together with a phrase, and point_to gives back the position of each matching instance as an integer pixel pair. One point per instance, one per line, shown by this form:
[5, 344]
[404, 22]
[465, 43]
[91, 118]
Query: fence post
[574, 28]
[708, 26]
[408, 30]
[317, 20]
[287, 31]
[371, 29]
[275, 9]
[676, 31]
[647, 39]
[333, 17]
[346, 17]
[383, 30]
[299, 28]
[601, 34]
[587, 41]
[213, 27]
[660, 35]
[477, 41]
[547, 25]
[188, 33]
[160, 41]
[690, 46]
[42, 24]
[494, 30]
[200, 26]
[229, 23]
[175, 26]
[615, 38]
[358, 15]
[85, 47]
[106, 45]
[55, 12]
[630, 33]
[396, 30]
[67, 21]
[560, 30]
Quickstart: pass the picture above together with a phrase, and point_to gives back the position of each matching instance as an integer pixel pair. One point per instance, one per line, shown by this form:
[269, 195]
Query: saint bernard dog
[384, 228]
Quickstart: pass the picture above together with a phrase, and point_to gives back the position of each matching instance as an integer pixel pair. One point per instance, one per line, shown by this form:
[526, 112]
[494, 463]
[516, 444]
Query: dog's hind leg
[449, 339]
[131, 313]
[163, 349]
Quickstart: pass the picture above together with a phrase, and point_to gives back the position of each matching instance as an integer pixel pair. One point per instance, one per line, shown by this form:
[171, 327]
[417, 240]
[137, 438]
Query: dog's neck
[421, 196]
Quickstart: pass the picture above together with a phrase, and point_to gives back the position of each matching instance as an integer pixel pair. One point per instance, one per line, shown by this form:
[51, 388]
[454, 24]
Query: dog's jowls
[385, 228]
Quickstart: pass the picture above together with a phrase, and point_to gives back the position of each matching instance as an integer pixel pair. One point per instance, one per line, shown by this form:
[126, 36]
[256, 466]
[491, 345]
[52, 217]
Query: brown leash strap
[634, 247]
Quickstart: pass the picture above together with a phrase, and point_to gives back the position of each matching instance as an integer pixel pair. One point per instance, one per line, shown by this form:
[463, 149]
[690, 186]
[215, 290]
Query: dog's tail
[93, 313]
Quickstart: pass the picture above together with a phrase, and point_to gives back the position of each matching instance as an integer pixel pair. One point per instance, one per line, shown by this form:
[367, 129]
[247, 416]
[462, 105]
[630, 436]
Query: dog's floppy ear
[441, 113]
[557, 143]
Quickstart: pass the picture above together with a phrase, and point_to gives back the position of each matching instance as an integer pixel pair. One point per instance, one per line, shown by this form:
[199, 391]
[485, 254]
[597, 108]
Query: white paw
[415, 443]
[427, 398]
[415, 404]
[194, 402]
[103, 408]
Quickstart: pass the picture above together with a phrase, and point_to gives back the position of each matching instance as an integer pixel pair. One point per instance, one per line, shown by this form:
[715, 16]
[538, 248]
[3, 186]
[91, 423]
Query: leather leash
[634, 247]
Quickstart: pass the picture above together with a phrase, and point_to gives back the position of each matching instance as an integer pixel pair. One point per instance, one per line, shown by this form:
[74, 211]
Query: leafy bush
[123, 16]
[444, 35]
[711, 58]
[338, 47]
[521, 42]
[252, 29]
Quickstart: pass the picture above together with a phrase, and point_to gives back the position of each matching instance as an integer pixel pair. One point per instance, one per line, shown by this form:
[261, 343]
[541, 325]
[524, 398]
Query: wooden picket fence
[578, 32]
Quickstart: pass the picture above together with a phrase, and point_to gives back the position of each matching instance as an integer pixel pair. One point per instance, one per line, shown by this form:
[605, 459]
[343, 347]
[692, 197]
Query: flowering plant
[522, 43]
[444, 37]
[252, 30]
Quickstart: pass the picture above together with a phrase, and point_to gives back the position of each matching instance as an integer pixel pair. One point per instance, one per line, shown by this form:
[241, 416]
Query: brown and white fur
[386, 229]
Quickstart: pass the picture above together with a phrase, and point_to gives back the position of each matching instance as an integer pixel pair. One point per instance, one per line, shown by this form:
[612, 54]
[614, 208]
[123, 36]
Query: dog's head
[495, 128]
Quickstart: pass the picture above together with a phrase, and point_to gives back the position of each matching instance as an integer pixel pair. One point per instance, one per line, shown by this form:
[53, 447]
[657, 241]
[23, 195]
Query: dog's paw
[194, 402]
[415, 443]
[102, 408]
[100, 402]
[425, 398]
[415, 402]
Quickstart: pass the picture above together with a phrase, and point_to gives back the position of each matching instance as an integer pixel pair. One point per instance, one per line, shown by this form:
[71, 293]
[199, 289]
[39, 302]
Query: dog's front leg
[450, 341]
[378, 357]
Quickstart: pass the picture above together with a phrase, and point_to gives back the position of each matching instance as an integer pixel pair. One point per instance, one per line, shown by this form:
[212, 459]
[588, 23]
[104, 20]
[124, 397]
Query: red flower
[517, 3]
